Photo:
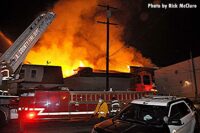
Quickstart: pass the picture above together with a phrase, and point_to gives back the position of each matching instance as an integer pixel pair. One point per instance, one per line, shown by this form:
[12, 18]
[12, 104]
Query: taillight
[31, 115]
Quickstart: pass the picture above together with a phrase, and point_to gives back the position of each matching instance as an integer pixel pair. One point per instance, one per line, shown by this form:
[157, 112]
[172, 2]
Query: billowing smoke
[75, 39]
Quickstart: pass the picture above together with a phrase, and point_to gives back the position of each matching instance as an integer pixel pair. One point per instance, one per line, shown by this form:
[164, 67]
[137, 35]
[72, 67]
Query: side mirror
[166, 119]
[175, 122]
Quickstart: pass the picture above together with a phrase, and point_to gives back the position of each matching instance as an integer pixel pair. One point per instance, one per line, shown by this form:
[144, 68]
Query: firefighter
[101, 110]
[115, 107]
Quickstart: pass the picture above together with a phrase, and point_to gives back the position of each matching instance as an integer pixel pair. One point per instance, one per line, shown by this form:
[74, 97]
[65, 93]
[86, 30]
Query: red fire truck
[142, 79]
[64, 104]
[60, 103]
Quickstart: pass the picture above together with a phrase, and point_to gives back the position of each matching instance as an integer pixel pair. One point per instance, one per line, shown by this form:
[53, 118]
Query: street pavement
[79, 126]
[51, 127]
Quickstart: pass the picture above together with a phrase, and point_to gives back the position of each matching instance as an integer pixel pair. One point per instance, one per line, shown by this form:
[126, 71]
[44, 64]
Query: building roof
[89, 72]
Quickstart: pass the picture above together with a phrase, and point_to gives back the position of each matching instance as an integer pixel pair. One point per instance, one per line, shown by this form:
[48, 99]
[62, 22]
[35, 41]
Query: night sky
[164, 36]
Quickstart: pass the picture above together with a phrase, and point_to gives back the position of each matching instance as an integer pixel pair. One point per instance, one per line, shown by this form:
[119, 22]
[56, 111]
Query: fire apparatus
[69, 105]
[64, 103]
[11, 61]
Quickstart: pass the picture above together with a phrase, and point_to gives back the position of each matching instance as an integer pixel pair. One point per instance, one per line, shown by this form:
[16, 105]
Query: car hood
[120, 126]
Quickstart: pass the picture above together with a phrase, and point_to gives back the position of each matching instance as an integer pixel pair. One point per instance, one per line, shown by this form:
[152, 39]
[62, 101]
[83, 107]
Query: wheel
[2, 119]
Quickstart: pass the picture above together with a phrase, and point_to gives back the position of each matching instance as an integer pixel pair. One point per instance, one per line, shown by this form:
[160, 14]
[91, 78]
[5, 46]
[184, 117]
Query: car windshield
[143, 114]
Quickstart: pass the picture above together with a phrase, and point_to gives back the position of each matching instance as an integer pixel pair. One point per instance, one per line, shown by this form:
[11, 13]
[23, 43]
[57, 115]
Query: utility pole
[107, 40]
[194, 76]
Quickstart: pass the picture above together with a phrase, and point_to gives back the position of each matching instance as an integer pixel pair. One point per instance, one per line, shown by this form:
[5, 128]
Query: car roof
[156, 100]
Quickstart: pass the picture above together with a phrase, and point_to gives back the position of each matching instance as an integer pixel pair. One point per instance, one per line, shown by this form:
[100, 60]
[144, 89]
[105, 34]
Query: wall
[96, 83]
[178, 79]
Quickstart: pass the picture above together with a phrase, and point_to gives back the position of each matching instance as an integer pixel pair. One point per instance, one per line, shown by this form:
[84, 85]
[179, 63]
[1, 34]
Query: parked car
[158, 114]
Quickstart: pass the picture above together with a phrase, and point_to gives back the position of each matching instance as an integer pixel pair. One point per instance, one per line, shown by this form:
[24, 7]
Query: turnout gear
[101, 110]
[115, 107]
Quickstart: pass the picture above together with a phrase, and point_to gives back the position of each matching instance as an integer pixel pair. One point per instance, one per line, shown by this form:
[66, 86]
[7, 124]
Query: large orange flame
[75, 39]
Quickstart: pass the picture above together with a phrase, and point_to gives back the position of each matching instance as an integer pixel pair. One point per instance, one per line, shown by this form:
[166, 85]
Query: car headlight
[93, 130]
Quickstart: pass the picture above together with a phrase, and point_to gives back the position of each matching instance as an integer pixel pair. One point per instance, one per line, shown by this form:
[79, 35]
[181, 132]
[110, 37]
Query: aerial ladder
[11, 61]
[16, 54]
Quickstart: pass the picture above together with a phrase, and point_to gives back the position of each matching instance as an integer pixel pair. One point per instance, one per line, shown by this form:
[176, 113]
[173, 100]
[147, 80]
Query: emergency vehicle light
[31, 115]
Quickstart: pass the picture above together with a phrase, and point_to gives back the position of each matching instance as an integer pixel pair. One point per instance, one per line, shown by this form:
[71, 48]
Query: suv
[156, 114]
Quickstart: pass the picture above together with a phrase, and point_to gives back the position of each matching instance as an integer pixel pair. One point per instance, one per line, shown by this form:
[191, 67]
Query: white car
[154, 114]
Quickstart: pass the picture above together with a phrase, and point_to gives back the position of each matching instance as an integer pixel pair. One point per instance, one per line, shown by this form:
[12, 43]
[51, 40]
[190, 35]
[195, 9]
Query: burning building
[138, 79]
[75, 40]
[34, 77]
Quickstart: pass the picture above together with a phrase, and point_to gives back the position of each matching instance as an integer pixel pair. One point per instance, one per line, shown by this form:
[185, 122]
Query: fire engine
[70, 105]
[11, 61]
[40, 104]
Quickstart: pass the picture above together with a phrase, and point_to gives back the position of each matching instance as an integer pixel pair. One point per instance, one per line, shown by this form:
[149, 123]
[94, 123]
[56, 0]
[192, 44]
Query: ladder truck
[63, 104]
[12, 60]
